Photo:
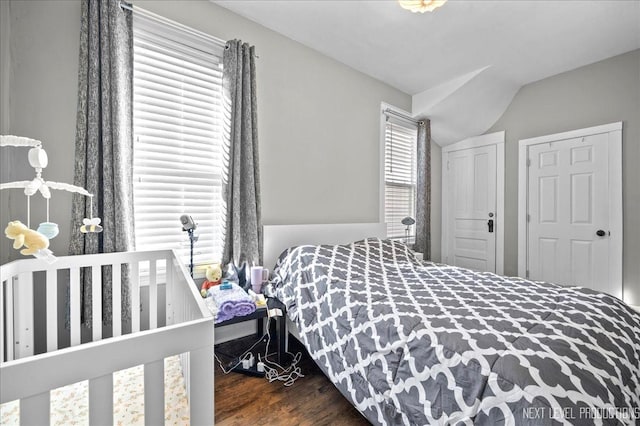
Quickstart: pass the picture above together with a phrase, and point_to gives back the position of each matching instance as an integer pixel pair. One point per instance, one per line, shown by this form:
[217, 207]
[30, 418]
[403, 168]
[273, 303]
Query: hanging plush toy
[34, 242]
[91, 225]
[37, 242]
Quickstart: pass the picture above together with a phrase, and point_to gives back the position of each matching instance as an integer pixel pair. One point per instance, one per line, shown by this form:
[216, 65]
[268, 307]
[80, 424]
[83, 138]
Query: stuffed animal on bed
[214, 277]
[32, 241]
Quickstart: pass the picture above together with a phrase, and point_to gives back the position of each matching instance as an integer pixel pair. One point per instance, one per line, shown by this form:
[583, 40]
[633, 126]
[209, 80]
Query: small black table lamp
[407, 221]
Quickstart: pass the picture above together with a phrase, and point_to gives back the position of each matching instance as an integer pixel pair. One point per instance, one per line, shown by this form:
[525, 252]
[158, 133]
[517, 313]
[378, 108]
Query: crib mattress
[69, 404]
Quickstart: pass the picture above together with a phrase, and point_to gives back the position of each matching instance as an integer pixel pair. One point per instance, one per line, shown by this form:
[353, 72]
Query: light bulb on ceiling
[421, 5]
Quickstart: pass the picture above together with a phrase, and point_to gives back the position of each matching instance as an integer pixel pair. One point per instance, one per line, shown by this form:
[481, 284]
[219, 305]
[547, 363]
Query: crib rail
[185, 329]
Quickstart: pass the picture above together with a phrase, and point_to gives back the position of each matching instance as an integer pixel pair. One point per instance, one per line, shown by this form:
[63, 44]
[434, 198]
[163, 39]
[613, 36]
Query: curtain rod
[389, 111]
[125, 5]
[170, 23]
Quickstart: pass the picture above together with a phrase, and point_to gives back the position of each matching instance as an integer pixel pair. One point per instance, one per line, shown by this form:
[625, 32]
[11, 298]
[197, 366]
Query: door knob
[600, 233]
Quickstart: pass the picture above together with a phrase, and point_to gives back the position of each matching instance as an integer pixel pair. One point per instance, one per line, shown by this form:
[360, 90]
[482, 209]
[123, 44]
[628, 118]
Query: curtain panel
[104, 142]
[423, 190]
[241, 175]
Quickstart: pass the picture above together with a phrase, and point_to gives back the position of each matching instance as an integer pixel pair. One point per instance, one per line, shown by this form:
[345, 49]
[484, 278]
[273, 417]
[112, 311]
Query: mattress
[69, 405]
[409, 342]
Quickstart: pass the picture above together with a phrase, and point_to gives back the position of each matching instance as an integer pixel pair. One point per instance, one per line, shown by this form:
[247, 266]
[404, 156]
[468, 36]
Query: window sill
[161, 275]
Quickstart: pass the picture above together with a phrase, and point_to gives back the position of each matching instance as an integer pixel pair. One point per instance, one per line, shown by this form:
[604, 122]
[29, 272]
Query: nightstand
[278, 333]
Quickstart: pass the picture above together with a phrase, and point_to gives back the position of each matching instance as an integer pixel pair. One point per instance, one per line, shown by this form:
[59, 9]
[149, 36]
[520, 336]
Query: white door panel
[471, 190]
[567, 193]
[570, 228]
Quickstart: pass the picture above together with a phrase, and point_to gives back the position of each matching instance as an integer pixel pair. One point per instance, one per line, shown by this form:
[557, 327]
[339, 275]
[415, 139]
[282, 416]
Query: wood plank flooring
[311, 400]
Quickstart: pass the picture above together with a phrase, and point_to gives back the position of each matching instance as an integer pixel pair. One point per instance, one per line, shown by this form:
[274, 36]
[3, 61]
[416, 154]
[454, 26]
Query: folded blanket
[234, 302]
[213, 308]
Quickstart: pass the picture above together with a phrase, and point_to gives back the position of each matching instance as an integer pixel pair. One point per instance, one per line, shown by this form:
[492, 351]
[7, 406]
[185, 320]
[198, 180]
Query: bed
[412, 342]
[174, 322]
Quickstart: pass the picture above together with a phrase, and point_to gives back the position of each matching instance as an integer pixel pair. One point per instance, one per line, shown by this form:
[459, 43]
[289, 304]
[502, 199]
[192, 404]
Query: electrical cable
[272, 370]
[287, 375]
[240, 358]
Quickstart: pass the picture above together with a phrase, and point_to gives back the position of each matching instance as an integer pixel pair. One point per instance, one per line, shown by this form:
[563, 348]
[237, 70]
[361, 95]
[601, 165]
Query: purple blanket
[231, 303]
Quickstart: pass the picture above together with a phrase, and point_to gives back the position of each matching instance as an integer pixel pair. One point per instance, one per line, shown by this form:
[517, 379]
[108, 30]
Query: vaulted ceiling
[464, 62]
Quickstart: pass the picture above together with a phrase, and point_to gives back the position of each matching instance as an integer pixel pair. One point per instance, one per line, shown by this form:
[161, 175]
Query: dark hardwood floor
[311, 400]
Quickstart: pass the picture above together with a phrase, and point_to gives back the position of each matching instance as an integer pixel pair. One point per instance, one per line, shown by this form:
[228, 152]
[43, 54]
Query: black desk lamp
[407, 221]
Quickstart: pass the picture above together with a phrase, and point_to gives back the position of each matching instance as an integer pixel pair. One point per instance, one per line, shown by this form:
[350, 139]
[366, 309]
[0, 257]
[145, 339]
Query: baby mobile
[36, 242]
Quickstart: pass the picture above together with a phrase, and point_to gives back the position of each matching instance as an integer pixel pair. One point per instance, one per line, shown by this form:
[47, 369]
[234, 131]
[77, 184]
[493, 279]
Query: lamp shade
[408, 221]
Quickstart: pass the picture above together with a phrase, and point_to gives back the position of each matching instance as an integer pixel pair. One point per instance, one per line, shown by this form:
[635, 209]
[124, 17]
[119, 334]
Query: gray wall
[600, 93]
[318, 122]
[318, 119]
[42, 63]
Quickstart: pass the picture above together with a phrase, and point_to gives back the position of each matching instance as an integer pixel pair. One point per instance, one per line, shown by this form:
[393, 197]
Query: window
[400, 145]
[177, 87]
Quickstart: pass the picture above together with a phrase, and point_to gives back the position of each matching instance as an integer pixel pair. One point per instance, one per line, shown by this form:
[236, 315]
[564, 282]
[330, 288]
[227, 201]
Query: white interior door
[568, 214]
[471, 218]
[571, 208]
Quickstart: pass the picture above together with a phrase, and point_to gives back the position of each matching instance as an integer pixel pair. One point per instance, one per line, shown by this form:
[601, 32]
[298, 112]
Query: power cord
[287, 375]
[272, 370]
[246, 355]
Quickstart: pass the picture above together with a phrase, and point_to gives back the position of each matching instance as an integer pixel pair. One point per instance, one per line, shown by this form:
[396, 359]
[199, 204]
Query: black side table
[279, 335]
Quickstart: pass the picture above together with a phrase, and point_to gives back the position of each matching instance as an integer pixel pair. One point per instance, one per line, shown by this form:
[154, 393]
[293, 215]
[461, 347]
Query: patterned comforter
[417, 343]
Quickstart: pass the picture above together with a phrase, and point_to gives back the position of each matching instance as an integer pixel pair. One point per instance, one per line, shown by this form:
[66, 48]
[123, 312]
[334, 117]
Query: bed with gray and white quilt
[415, 343]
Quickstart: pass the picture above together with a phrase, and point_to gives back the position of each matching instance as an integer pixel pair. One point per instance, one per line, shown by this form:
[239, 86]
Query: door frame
[615, 193]
[496, 139]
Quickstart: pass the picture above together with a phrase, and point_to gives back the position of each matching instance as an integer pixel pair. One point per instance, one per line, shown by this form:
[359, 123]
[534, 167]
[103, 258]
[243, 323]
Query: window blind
[177, 125]
[399, 176]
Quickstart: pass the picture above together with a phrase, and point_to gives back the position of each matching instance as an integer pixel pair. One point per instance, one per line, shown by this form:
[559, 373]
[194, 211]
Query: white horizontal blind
[399, 176]
[177, 83]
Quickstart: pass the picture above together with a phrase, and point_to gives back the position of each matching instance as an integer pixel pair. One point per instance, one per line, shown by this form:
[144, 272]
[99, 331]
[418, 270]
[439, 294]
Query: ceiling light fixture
[421, 5]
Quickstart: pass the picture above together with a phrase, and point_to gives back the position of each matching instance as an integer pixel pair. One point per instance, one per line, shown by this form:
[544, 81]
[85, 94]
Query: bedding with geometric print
[415, 343]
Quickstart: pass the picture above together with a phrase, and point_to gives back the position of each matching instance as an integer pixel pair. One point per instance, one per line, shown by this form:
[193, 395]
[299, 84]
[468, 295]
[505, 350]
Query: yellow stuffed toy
[23, 236]
[214, 277]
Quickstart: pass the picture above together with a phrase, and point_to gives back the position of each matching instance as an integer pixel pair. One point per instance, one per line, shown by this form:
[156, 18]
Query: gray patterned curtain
[104, 142]
[241, 177]
[423, 199]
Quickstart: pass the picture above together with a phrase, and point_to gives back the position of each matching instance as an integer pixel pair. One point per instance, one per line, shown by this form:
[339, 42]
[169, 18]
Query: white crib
[187, 330]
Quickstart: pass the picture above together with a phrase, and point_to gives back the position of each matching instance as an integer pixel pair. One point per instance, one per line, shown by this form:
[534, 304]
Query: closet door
[572, 193]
